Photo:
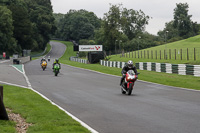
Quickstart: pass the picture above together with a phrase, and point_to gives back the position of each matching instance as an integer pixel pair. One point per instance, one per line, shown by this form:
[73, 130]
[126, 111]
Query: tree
[41, 16]
[182, 21]
[58, 18]
[120, 23]
[99, 36]
[133, 22]
[23, 27]
[80, 28]
[196, 28]
[172, 33]
[7, 42]
[111, 26]
[77, 25]
[33, 24]
[181, 27]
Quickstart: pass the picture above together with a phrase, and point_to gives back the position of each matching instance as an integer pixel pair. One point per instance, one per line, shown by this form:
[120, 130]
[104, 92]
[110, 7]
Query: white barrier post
[141, 65]
[182, 69]
[158, 69]
[168, 68]
[149, 66]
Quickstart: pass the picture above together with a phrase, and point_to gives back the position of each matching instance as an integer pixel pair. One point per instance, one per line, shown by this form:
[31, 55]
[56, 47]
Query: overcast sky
[161, 11]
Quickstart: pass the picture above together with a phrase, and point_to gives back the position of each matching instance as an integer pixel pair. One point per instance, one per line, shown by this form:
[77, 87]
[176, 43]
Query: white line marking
[12, 84]
[29, 84]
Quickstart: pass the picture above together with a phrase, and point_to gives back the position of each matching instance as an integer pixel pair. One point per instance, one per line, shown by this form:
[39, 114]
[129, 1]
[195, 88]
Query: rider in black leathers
[127, 67]
[56, 62]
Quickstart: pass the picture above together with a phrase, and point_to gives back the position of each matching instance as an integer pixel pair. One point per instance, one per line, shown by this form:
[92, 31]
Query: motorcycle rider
[126, 68]
[49, 58]
[43, 59]
[56, 62]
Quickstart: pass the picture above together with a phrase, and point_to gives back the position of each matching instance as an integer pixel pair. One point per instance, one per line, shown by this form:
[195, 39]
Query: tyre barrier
[76, 59]
[181, 69]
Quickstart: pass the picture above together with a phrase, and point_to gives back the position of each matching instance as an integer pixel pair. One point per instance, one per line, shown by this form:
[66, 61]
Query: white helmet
[130, 64]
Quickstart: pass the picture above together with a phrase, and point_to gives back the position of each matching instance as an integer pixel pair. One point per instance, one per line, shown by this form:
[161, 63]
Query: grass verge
[179, 52]
[184, 81]
[47, 51]
[44, 116]
[172, 61]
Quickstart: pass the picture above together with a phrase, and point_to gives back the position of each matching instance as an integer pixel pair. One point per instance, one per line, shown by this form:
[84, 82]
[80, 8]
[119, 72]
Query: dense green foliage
[181, 27]
[25, 25]
[7, 42]
[76, 25]
[119, 26]
[22, 25]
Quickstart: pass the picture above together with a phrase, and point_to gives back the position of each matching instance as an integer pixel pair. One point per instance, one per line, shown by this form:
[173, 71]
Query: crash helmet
[56, 60]
[43, 58]
[130, 64]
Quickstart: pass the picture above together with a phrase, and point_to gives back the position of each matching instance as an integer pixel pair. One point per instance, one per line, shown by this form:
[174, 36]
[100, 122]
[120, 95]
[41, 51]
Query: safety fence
[181, 69]
[164, 54]
[76, 59]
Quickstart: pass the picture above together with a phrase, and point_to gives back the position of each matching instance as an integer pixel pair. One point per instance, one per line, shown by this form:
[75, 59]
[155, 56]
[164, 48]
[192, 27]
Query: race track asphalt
[96, 99]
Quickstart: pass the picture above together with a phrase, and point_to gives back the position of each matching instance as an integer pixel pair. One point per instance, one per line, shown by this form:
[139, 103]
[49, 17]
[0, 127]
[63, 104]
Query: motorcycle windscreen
[44, 63]
[131, 72]
[56, 66]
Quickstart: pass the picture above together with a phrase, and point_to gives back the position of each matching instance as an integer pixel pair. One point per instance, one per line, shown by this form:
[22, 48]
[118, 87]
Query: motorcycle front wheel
[130, 88]
[56, 72]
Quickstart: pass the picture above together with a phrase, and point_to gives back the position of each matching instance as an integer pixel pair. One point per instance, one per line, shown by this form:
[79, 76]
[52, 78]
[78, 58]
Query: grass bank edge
[191, 43]
[46, 52]
[183, 81]
[44, 116]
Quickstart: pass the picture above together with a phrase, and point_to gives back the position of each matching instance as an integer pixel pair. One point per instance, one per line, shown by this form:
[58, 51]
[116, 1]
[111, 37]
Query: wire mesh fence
[170, 54]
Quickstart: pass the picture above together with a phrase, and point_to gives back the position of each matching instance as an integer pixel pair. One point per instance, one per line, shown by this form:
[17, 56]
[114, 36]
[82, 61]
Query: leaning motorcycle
[44, 65]
[56, 69]
[128, 83]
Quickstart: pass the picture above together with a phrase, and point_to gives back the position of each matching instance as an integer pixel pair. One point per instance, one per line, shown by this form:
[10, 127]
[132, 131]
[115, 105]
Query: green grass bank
[44, 117]
[180, 52]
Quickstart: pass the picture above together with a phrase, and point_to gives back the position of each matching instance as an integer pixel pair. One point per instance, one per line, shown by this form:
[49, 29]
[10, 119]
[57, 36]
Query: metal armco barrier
[76, 59]
[181, 69]
[3, 113]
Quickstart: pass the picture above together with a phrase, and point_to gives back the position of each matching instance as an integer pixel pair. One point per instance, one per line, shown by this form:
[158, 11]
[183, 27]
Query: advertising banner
[90, 48]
